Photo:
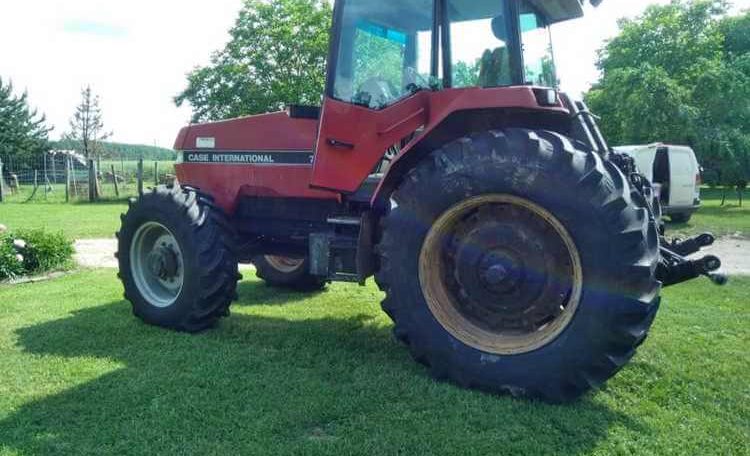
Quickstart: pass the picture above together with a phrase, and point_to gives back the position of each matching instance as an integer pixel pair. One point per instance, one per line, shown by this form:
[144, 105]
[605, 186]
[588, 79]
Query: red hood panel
[276, 131]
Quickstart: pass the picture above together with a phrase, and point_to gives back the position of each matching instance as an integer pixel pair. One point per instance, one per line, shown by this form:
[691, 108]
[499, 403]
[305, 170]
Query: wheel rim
[157, 265]
[501, 274]
[284, 264]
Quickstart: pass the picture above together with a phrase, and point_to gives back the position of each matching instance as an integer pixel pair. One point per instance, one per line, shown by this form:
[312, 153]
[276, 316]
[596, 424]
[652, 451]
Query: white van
[676, 175]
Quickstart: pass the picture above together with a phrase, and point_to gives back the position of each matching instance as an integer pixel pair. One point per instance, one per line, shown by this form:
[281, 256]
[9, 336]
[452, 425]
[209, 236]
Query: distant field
[730, 219]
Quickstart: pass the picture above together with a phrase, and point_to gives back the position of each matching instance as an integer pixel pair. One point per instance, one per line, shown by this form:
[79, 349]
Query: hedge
[28, 252]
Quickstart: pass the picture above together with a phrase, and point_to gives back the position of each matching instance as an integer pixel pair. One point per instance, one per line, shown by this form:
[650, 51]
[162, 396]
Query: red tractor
[517, 252]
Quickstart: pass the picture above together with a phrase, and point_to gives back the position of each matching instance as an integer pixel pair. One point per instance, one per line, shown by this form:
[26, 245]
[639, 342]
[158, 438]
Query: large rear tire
[287, 272]
[176, 260]
[515, 263]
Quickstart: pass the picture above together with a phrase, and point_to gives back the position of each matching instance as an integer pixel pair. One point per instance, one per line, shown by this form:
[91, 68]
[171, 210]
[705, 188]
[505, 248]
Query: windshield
[536, 42]
[384, 53]
[386, 50]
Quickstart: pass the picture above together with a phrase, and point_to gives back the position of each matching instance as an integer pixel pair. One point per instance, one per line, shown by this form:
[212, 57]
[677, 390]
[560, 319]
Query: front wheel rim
[501, 274]
[157, 264]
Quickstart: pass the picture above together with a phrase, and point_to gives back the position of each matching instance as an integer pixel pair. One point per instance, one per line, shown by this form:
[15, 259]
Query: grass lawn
[76, 221]
[720, 220]
[288, 374]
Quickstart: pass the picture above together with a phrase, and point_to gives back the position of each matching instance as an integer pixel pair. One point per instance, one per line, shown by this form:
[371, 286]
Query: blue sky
[136, 54]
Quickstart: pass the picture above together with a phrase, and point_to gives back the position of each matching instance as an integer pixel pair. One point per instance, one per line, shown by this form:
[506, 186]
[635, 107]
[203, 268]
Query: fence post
[2, 181]
[114, 180]
[156, 174]
[46, 180]
[93, 196]
[139, 176]
[54, 169]
[67, 179]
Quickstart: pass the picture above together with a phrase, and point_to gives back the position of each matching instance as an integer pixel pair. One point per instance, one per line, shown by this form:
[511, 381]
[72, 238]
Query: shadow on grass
[265, 385]
[257, 293]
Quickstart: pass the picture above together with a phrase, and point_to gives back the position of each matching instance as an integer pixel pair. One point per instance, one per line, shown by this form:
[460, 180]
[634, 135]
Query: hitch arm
[692, 245]
[674, 269]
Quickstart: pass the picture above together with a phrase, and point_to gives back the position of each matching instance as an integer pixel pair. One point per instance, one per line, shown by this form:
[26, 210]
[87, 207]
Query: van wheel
[681, 217]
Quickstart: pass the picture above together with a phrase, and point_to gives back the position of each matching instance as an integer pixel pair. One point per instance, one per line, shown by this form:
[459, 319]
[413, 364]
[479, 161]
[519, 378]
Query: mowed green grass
[729, 219]
[76, 221]
[321, 374]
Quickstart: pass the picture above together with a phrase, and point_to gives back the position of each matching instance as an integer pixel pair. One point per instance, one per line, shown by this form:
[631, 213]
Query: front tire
[515, 263]
[176, 260]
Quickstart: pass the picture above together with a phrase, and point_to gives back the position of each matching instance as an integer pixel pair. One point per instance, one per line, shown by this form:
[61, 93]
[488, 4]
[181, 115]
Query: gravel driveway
[100, 253]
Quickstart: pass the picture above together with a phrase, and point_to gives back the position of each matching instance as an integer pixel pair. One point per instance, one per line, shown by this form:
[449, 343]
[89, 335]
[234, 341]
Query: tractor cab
[384, 52]
[398, 70]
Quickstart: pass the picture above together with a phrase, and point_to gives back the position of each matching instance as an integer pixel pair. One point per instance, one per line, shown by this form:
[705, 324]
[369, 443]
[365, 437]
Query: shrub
[10, 266]
[45, 251]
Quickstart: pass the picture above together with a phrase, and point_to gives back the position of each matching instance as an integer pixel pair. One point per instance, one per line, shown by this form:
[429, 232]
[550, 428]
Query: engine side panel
[268, 155]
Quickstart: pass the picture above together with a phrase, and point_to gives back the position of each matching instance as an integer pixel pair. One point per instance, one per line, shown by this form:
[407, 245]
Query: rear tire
[614, 236]
[286, 272]
[176, 260]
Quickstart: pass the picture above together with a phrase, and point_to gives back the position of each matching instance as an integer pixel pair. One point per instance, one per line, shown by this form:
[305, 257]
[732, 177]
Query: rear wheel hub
[501, 274]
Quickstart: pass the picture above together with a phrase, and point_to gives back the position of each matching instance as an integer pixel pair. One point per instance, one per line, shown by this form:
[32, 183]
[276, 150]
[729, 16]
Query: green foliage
[10, 267]
[465, 74]
[116, 151]
[44, 251]
[23, 131]
[681, 74]
[276, 56]
[377, 55]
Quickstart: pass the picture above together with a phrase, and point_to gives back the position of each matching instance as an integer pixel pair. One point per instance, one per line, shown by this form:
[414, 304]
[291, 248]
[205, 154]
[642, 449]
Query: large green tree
[680, 73]
[23, 131]
[276, 56]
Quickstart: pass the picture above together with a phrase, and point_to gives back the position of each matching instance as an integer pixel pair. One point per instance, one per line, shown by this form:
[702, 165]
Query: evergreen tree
[23, 131]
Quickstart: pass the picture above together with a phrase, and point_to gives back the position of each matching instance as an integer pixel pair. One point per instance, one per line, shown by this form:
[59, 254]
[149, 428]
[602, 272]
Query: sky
[136, 54]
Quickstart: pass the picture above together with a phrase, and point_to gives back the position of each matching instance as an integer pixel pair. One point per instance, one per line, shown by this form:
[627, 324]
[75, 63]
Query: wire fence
[64, 176]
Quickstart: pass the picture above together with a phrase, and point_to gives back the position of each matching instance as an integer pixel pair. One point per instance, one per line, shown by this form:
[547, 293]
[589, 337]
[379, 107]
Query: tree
[23, 131]
[681, 74]
[276, 56]
[86, 126]
[87, 130]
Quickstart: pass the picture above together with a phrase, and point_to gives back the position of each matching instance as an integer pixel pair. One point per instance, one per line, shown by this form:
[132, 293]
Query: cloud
[99, 29]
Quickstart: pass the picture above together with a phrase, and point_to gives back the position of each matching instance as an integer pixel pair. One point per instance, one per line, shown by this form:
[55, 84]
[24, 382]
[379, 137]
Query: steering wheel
[377, 92]
[414, 80]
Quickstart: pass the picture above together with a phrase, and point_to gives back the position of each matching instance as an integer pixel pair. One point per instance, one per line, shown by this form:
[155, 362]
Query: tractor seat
[494, 69]
[304, 112]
